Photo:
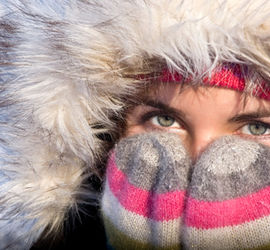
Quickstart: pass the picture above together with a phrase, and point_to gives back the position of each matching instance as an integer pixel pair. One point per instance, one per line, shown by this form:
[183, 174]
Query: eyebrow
[164, 107]
[181, 115]
[250, 116]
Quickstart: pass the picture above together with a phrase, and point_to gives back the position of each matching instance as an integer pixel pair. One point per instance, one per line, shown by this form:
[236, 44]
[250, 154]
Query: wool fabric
[229, 75]
[155, 198]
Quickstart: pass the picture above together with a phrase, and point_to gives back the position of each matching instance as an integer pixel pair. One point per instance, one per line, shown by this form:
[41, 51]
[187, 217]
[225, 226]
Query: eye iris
[257, 129]
[165, 120]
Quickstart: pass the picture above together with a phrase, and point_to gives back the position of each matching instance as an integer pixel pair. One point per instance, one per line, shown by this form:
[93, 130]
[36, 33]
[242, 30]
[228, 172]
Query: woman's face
[200, 116]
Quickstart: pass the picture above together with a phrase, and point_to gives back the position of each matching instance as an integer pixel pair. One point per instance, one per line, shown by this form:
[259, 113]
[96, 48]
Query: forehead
[186, 97]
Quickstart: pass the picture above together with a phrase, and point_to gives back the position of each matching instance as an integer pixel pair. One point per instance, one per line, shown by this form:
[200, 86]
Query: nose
[200, 142]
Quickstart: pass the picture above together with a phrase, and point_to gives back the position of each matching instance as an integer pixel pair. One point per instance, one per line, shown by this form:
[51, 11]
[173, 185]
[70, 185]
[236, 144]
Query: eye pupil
[165, 120]
[257, 129]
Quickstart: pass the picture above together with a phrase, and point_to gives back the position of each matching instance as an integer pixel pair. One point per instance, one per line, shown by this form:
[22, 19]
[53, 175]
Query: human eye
[256, 128]
[164, 121]
[159, 119]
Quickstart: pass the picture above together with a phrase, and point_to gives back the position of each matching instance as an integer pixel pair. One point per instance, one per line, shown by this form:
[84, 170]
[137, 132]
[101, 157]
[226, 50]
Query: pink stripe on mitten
[125, 192]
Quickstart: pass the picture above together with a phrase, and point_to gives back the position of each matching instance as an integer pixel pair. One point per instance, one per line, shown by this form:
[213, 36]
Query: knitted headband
[228, 76]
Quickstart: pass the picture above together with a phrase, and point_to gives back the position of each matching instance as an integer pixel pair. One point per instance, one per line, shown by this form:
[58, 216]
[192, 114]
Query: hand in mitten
[228, 201]
[143, 201]
[155, 199]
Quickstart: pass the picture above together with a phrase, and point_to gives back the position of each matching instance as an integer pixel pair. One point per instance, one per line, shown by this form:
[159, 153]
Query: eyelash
[149, 115]
[255, 122]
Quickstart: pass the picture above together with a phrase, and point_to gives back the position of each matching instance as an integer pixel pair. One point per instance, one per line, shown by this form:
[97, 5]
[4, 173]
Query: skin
[200, 116]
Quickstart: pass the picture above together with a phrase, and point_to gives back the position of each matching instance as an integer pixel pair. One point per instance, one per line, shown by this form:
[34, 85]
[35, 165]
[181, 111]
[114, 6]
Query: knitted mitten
[228, 205]
[155, 199]
[143, 200]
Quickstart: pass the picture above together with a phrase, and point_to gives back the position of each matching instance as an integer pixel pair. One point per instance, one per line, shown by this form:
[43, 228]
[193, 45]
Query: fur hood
[66, 68]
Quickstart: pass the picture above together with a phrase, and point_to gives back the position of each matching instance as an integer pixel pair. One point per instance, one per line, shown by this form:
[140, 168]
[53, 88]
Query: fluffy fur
[66, 68]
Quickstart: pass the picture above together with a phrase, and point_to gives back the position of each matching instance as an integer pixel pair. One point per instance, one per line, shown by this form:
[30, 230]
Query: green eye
[257, 129]
[164, 121]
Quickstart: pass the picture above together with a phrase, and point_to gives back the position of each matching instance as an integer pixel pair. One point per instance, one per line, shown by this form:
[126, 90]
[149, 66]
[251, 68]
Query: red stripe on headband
[228, 76]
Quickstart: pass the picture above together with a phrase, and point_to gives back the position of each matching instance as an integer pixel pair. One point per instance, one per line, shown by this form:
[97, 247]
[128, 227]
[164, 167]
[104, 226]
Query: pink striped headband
[228, 76]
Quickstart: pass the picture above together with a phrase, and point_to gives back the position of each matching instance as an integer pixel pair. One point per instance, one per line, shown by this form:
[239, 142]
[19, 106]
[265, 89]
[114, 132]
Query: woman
[179, 87]
[192, 170]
